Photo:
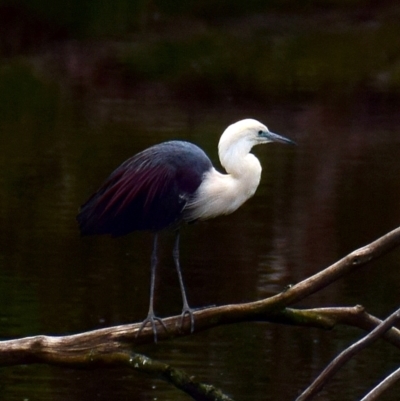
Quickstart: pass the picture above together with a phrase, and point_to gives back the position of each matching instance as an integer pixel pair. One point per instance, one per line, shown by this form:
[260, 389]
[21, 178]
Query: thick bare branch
[354, 260]
[332, 273]
[259, 310]
[69, 349]
[112, 346]
[79, 349]
[83, 351]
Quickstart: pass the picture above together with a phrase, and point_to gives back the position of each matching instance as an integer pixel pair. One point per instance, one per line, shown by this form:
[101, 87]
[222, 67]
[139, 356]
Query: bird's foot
[188, 311]
[152, 319]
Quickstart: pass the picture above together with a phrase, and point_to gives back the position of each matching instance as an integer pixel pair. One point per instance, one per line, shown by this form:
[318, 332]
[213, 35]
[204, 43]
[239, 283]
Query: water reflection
[336, 191]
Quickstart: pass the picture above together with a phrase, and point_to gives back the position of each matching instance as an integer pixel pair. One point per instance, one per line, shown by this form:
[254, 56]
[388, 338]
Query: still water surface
[336, 191]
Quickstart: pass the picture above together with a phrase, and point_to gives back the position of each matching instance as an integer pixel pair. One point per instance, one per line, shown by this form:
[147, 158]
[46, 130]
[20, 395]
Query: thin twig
[377, 391]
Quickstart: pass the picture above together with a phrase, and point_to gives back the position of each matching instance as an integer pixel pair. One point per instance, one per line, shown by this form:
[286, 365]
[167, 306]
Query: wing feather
[147, 192]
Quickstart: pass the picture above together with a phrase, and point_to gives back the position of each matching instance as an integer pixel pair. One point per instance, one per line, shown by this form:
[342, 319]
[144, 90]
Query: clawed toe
[188, 311]
[152, 319]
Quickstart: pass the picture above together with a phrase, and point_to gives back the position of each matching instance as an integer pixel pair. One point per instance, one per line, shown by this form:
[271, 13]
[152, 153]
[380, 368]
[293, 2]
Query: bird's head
[245, 134]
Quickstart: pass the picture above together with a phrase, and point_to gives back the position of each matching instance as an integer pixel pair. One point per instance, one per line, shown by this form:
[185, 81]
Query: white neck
[224, 193]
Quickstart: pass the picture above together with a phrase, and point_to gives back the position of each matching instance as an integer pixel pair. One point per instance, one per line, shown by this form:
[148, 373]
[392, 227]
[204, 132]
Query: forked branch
[112, 346]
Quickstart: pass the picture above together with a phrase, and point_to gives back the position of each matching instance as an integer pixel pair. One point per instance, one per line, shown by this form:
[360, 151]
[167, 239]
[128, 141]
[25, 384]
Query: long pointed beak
[279, 138]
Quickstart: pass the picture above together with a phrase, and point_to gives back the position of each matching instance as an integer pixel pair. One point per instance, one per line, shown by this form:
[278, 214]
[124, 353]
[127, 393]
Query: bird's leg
[186, 309]
[151, 317]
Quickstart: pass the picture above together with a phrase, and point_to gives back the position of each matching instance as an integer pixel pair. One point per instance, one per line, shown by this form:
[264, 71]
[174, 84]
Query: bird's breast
[220, 194]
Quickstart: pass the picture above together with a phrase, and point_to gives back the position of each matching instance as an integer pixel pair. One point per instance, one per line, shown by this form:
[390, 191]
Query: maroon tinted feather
[147, 192]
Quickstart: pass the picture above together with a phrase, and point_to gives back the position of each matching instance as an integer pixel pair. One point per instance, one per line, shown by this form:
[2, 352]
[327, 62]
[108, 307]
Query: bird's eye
[260, 132]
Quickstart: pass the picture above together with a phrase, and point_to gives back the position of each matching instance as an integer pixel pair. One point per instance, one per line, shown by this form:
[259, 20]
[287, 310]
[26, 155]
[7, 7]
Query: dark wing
[147, 192]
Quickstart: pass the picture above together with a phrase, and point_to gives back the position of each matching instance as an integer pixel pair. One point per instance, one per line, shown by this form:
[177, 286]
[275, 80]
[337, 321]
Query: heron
[172, 183]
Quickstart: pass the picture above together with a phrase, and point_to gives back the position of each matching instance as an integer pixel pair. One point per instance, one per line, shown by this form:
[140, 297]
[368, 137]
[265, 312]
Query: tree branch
[112, 346]
[346, 355]
[382, 386]
[328, 318]
[121, 338]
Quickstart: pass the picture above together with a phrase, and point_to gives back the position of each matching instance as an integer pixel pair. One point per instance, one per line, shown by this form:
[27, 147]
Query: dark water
[336, 191]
